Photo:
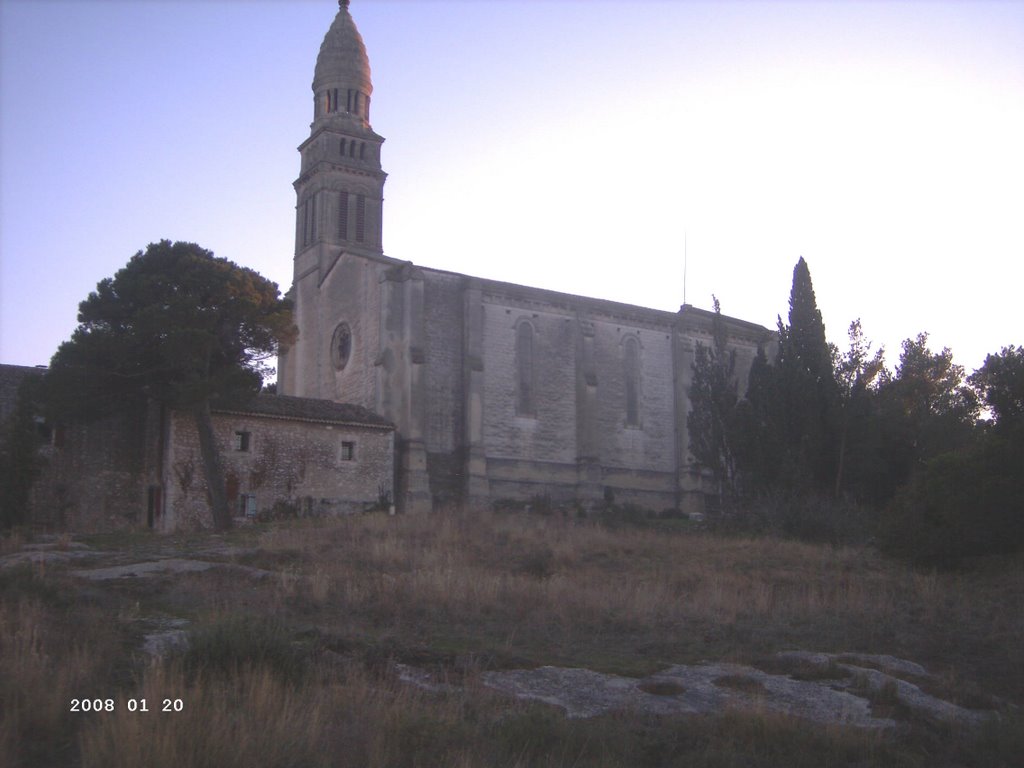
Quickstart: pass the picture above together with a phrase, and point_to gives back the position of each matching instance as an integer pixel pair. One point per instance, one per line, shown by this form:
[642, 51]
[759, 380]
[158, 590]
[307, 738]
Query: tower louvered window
[360, 218]
[331, 100]
[343, 215]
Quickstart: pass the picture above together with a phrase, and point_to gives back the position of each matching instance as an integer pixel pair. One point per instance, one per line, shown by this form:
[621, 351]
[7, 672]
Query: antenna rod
[684, 267]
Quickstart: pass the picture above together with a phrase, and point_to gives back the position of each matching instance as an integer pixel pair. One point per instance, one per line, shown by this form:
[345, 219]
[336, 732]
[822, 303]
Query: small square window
[348, 451]
[242, 441]
[247, 505]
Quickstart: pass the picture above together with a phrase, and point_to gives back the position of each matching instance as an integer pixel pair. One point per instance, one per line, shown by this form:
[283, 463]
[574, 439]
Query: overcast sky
[569, 145]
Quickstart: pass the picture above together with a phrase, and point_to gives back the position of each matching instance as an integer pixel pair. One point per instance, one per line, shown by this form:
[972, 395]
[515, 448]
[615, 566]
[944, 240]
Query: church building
[499, 392]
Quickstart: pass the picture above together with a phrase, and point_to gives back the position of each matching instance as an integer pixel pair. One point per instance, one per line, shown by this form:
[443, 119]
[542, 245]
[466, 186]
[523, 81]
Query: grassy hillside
[292, 658]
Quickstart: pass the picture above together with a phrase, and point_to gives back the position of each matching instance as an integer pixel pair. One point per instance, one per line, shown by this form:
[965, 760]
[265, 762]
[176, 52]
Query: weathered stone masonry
[278, 452]
[280, 455]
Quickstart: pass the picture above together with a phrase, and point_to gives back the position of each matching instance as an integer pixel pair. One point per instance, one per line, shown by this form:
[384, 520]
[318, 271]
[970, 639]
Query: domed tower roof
[342, 62]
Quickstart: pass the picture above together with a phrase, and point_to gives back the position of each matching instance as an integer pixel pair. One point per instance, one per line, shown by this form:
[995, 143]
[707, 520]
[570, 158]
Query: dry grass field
[297, 667]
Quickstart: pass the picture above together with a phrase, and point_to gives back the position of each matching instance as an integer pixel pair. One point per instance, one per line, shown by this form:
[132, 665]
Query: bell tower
[339, 201]
[340, 189]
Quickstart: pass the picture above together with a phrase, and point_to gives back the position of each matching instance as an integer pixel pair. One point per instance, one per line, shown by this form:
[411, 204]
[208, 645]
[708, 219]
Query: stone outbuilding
[282, 456]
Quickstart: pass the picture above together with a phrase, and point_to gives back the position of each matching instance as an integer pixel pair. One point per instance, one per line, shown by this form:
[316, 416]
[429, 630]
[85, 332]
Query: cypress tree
[808, 391]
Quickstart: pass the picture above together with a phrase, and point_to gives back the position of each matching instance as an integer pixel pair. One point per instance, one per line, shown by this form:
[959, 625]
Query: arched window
[524, 370]
[341, 346]
[342, 147]
[631, 372]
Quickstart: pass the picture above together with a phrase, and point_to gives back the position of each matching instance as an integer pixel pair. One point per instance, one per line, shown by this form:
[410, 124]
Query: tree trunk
[212, 469]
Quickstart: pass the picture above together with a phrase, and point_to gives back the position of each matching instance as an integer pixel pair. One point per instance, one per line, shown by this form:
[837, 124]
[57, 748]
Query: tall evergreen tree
[758, 445]
[805, 345]
[807, 391]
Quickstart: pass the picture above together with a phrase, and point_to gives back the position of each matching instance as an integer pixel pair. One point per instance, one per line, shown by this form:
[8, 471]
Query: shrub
[806, 518]
[961, 504]
[230, 645]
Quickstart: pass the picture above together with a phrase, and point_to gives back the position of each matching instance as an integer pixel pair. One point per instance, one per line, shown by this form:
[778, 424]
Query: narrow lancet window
[524, 370]
[631, 370]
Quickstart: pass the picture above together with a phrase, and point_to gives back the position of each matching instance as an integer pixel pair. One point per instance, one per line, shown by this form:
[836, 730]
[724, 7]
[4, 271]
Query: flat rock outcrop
[858, 690]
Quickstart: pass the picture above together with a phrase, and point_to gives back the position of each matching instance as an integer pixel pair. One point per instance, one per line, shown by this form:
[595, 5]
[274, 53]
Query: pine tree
[178, 326]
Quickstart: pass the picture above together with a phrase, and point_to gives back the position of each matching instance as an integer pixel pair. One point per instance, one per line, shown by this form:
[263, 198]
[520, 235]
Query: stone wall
[306, 466]
[444, 422]
[97, 475]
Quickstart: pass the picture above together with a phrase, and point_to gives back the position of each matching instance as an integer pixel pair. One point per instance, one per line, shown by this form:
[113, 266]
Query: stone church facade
[498, 391]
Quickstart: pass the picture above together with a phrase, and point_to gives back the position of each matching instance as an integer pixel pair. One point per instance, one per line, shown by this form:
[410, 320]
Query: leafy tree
[713, 400]
[1000, 384]
[928, 406]
[857, 372]
[178, 326]
[965, 494]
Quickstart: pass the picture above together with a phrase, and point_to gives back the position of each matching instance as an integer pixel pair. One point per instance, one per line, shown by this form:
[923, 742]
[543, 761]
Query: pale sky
[572, 145]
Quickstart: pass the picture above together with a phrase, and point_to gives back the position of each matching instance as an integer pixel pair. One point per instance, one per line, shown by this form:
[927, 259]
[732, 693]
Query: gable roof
[306, 409]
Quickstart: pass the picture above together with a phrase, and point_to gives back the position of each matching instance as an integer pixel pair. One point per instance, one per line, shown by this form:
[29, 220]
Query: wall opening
[524, 369]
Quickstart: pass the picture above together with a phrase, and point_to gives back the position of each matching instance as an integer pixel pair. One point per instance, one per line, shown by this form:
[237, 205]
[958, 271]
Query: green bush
[961, 504]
